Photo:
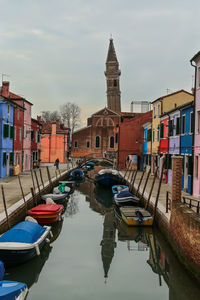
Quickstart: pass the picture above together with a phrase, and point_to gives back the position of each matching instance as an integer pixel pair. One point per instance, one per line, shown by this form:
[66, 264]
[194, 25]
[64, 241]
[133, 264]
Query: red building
[164, 139]
[36, 127]
[131, 139]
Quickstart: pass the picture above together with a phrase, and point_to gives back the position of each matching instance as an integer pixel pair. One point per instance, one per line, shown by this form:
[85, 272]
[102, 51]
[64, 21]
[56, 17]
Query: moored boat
[108, 177]
[125, 197]
[11, 289]
[77, 174]
[61, 189]
[136, 216]
[69, 183]
[23, 242]
[46, 213]
[118, 188]
[57, 198]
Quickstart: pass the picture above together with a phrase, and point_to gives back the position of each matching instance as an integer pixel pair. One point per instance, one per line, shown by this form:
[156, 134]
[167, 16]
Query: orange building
[55, 138]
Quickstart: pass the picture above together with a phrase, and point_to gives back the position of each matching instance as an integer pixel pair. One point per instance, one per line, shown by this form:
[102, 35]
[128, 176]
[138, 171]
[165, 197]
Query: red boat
[46, 213]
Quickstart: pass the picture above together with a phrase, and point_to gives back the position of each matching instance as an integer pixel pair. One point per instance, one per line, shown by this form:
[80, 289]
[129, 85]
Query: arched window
[97, 142]
[99, 122]
[112, 140]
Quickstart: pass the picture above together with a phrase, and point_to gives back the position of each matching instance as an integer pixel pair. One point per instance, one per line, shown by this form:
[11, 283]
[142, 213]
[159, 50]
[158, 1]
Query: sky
[54, 51]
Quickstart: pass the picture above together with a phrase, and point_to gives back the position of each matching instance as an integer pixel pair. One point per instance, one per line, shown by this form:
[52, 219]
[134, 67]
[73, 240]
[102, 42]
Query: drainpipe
[194, 120]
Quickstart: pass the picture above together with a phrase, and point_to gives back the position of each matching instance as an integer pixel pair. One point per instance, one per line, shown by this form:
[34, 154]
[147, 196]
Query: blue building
[146, 151]
[186, 144]
[6, 137]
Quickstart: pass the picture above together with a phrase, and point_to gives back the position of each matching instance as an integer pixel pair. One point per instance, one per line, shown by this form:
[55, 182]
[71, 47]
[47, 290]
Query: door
[186, 172]
[7, 165]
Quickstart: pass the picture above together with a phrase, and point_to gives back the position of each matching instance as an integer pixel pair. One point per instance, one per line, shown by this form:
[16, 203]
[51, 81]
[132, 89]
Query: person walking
[57, 163]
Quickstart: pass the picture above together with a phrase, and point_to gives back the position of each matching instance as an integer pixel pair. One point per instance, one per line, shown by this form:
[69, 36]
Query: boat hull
[136, 216]
[108, 180]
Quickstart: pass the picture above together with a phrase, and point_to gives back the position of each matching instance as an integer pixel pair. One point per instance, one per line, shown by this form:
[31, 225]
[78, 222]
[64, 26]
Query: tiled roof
[47, 127]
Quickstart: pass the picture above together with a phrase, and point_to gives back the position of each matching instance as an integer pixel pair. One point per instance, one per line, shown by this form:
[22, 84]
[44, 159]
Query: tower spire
[112, 74]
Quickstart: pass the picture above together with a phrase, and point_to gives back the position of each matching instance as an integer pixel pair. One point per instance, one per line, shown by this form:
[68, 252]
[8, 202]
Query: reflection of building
[108, 242]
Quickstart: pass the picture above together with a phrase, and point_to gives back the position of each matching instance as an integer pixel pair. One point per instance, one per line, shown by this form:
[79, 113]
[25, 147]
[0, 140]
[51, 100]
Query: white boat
[56, 190]
[124, 197]
[55, 197]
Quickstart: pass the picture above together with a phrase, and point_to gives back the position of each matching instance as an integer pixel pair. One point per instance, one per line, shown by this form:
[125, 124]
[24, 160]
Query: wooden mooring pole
[37, 182]
[148, 174]
[33, 179]
[124, 178]
[33, 195]
[131, 179]
[49, 177]
[140, 183]
[20, 184]
[132, 186]
[4, 204]
[151, 190]
[41, 178]
[158, 192]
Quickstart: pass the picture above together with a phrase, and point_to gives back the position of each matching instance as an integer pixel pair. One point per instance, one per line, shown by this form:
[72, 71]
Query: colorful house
[146, 157]
[54, 143]
[161, 106]
[18, 136]
[186, 145]
[195, 61]
[6, 137]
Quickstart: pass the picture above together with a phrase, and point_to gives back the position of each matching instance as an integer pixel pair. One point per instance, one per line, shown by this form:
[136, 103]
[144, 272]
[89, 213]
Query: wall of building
[18, 141]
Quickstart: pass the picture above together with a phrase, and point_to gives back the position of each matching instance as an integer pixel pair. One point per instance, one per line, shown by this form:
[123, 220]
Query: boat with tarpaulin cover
[46, 213]
[108, 177]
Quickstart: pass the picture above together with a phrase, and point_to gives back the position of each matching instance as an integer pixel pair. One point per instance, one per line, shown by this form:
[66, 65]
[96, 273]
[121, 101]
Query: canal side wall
[18, 211]
[180, 226]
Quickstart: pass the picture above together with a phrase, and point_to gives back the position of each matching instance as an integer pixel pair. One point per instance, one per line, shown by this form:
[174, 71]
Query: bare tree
[50, 115]
[70, 114]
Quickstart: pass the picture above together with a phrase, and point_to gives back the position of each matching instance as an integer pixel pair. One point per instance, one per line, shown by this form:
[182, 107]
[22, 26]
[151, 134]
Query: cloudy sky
[54, 51]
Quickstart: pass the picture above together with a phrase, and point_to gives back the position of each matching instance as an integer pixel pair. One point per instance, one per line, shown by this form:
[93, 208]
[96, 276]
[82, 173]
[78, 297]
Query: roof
[105, 109]
[180, 107]
[169, 95]
[12, 103]
[47, 127]
[111, 53]
[13, 96]
[195, 56]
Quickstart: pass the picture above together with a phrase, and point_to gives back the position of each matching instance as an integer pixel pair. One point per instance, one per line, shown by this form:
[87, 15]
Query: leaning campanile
[112, 74]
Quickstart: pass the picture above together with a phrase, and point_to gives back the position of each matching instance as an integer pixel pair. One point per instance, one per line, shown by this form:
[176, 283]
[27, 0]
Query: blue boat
[77, 174]
[23, 242]
[118, 188]
[125, 198]
[108, 177]
[10, 290]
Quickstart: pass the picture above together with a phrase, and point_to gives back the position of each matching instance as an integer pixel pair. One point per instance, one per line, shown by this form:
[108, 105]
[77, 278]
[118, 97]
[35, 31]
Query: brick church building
[101, 135]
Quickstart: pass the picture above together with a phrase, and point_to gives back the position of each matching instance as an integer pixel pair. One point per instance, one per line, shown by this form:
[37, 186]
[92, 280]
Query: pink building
[195, 61]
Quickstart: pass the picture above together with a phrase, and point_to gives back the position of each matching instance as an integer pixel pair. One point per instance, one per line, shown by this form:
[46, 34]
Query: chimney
[5, 89]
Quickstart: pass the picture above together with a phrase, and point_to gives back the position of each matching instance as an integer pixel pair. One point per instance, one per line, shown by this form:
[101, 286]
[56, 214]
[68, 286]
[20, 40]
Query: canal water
[93, 255]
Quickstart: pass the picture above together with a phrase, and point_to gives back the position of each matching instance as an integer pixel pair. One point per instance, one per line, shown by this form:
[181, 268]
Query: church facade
[100, 137]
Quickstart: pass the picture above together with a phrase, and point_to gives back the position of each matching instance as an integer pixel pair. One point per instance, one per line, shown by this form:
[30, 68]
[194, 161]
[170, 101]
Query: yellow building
[160, 106]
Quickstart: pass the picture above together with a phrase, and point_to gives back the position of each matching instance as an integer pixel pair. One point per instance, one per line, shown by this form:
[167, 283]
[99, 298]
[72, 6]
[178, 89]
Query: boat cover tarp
[10, 290]
[24, 232]
[62, 187]
[48, 208]
[91, 163]
[77, 172]
[108, 171]
[124, 194]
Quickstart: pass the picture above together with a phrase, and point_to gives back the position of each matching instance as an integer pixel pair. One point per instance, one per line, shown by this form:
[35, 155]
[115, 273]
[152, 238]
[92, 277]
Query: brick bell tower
[112, 74]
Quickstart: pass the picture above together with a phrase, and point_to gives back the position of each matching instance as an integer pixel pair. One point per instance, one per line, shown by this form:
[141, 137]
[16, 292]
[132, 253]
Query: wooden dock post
[4, 204]
[124, 178]
[22, 192]
[33, 179]
[41, 178]
[140, 183]
[158, 192]
[56, 173]
[33, 195]
[148, 174]
[49, 177]
[37, 182]
[153, 182]
[132, 186]
[131, 179]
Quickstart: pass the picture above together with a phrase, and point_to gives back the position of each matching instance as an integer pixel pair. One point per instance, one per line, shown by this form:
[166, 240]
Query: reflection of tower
[108, 242]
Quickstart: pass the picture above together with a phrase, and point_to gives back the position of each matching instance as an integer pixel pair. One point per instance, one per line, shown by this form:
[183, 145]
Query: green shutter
[4, 130]
[4, 158]
[11, 158]
[11, 132]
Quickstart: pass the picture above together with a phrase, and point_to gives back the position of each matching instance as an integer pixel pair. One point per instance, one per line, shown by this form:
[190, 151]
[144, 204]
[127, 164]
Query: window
[75, 144]
[190, 165]
[6, 130]
[158, 110]
[18, 114]
[192, 122]
[154, 112]
[32, 135]
[149, 135]
[196, 166]
[115, 83]
[161, 130]
[198, 77]
[20, 134]
[87, 144]
[161, 108]
[183, 124]
[4, 159]
[158, 129]
[116, 138]
[8, 109]
[112, 142]
[11, 132]
[177, 126]
[11, 158]
[170, 128]
[14, 132]
[153, 135]
[97, 142]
